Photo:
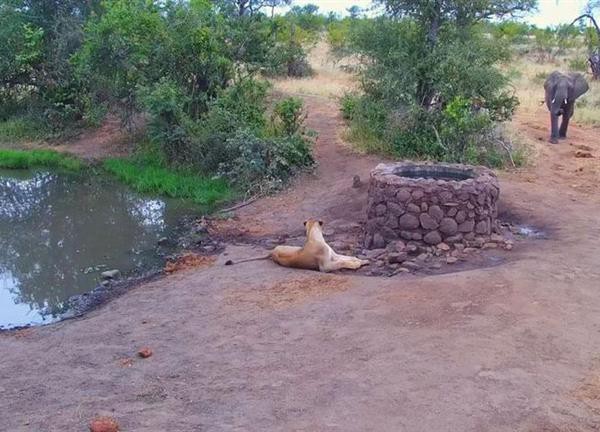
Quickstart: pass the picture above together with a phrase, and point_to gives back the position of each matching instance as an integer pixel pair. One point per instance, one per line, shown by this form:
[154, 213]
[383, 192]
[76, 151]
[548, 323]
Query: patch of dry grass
[329, 78]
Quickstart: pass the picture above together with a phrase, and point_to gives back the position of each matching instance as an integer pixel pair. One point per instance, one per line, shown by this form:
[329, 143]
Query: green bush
[579, 64]
[264, 164]
[424, 98]
[289, 116]
[18, 129]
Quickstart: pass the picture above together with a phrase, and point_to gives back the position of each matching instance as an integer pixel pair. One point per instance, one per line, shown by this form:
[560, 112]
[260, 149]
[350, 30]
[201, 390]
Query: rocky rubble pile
[403, 257]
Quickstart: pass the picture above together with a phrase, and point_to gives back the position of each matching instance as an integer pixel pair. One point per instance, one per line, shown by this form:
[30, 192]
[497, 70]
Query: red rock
[145, 352]
[104, 424]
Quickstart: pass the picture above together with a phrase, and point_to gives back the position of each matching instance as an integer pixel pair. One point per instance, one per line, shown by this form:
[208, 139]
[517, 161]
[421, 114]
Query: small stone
[470, 250]
[356, 183]
[105, 283]
[416, 236]
[436, 266]
[490, 245]
[397, 257]
[145, 352]
[406, 235]
[479, 242]
[408, 222]
[380, 263]
[452, 212]
[403, 195]
[467, 226]
[110, 274]
[380, 209]
[436, 213]
[413, 208]
[461, 216]
[454, 239]
[395, 209]
[417, 194]
[448, 226]
[427, 222]
[411, 265]
[469, 236]
[497, 238]
[378, 241]
[399, 246]
[423, 257]
[162, 240]
[424, 206]
[443, 247]
[375, 253]
[403, 270]
[583, 154]
[432, 238]
[459, 247]
[508, 246]
[412, 248]
[451, 260]
[104, 424]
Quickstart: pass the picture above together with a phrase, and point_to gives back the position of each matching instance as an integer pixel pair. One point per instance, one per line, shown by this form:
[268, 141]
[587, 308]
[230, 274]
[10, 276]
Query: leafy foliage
[431, 83]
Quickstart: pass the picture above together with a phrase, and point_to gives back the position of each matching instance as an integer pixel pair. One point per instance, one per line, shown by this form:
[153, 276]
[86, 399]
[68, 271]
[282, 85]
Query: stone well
[432, 203]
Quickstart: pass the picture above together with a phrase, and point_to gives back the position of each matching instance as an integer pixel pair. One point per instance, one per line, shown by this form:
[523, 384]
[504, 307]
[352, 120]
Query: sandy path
[262, 348]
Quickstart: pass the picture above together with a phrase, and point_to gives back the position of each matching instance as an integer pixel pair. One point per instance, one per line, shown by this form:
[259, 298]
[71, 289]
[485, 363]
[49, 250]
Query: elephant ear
[580, 85]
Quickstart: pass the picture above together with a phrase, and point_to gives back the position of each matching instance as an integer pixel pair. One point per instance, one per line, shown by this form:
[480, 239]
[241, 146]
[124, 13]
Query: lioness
[316, 254]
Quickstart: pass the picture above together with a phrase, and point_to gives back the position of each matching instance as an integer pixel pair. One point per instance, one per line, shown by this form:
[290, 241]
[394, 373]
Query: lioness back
[293, 256]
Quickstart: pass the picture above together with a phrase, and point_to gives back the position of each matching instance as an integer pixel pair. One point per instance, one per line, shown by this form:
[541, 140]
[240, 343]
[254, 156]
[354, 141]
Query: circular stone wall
[433, 203]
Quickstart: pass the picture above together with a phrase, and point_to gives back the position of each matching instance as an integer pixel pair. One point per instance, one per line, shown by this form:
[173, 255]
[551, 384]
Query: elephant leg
[562, 132]
[553, 128]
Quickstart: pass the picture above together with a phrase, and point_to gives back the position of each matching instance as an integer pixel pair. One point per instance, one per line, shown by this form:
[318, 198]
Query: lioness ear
[321, 222]
[304, 223]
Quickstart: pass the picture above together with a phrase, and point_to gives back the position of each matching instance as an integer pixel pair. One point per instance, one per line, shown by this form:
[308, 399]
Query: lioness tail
[230, 262]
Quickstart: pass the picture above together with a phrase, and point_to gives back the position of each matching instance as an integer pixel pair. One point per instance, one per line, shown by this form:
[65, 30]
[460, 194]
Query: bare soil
[257, 347]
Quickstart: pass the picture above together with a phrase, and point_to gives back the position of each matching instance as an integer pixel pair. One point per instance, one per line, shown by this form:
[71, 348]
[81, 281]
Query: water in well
[434, 172]
[59, 232]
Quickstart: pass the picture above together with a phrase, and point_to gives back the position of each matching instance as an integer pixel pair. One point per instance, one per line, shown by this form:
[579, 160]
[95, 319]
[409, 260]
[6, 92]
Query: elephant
[561, 92]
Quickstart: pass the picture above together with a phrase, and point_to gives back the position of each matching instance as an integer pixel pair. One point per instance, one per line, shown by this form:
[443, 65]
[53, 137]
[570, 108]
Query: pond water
[58, 232]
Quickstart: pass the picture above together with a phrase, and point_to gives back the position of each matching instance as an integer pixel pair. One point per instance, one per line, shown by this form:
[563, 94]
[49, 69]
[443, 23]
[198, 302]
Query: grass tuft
[22, 159]
[21, 129]
[151, 177]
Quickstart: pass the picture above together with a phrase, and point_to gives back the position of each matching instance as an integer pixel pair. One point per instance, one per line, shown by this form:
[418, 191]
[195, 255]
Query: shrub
[289, 116]
[264, 164]
[431, 89]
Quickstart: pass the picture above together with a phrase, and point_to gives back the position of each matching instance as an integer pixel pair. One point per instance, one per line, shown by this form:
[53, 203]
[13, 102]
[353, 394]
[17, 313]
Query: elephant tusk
[553, 100]
[566, 101]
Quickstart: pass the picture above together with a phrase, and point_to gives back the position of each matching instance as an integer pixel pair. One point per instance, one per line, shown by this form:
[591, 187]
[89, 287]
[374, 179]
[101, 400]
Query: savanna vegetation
[438, 80]
[187, 74]
[191, 80]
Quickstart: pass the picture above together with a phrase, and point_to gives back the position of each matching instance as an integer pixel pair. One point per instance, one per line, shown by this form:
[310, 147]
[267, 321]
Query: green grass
[150, 177]
[21, 159]
[21, 129]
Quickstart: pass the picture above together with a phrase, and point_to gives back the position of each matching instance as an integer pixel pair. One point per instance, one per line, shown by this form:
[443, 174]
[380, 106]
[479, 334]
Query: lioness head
[311, 224]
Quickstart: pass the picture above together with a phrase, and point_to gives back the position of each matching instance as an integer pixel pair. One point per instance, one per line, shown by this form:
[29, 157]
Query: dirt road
[256, 347]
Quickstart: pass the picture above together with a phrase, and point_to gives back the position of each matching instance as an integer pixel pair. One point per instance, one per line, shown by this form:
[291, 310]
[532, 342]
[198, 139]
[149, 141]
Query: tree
[354, 11]
[252, 7]
[594, 56]
[430, 16]
[430, 79]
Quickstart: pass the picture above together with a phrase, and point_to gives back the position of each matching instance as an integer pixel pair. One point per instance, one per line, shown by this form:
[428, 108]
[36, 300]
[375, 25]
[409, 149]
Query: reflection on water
[58, 232]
